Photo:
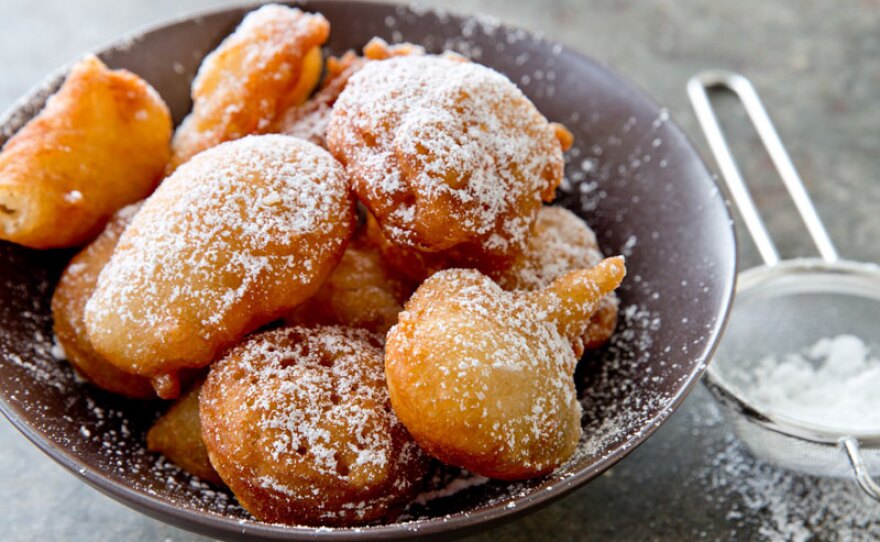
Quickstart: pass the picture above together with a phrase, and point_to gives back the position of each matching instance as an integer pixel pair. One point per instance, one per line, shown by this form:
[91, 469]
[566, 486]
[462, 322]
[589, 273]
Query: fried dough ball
[361, 292]
[233, 240]
[309, 120]
[100, 143]
[482, 377]
[178, 436]
[271, 62]
[298, 424]
[561, 242]
[445, 154]
[68, 306]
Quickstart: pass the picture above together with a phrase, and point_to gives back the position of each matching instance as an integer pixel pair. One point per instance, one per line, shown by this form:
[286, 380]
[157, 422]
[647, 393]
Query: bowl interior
[632, 175]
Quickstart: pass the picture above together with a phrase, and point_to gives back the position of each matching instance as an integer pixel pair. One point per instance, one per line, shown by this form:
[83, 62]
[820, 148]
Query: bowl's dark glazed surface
[633, 176]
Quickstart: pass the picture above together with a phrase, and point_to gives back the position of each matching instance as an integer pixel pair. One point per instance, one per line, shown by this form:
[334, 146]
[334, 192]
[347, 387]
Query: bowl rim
[221, 525]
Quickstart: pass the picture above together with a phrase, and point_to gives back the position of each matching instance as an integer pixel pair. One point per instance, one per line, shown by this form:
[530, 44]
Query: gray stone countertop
[816, 64]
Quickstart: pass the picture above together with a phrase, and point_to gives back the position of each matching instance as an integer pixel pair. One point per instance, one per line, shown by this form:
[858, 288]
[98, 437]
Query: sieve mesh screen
[780, 313]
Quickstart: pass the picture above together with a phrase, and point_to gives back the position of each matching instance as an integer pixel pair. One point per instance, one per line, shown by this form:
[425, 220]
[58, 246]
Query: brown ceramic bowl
[633, 176]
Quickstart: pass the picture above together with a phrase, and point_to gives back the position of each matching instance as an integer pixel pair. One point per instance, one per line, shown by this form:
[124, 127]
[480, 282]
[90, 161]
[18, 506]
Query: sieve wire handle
[860, 470]
[697, 89]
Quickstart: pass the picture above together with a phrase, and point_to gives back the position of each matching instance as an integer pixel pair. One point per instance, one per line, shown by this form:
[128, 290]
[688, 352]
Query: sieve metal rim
[774, 267]
[780, 423]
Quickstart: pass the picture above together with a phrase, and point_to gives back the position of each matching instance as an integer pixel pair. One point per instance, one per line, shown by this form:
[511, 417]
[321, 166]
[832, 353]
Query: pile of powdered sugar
[834, 383]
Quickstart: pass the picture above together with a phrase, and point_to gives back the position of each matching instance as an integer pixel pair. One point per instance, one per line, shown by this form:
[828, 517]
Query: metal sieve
[786, 306]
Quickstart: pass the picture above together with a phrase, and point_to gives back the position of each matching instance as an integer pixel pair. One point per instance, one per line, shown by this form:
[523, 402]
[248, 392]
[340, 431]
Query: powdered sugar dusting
[451, 487]
[451, 134]
[611, 409]
[639, 326]
[237, 220]
[560, 242]
[782, 505]
[28, 307]
[108, 432]
[244, 84]
[308, 411]
[57, 351]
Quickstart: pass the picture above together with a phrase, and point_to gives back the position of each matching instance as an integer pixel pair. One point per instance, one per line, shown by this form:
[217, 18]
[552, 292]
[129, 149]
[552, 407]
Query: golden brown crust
[482, 378]
[571, 299]
[564, 135]
[100, 143]
[297, 422]
[68, 306]
[178, 436]
[360, 292]
[560, 242]
[233, 240]
[445, 154]
[339, 68]
[415, 265]
[309, 120]
[379, 49]
[250, 79]
[602, 325]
